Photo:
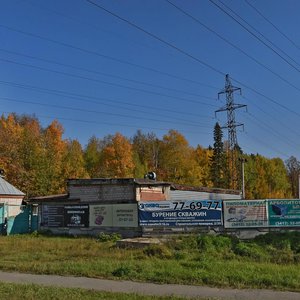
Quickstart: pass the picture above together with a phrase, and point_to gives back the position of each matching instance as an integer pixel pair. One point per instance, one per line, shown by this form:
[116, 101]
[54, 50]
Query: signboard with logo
[114, 215]
[76, 215]
[243, 213]
[181, 213]
[284, 213]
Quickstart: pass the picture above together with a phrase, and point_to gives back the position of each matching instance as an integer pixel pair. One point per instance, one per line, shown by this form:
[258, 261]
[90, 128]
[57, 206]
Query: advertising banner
[284, 213]
[101, 215]
[114, 215]
[52, 215]
[243, 213]
[125, 215]
[76, 215]
[181, 213]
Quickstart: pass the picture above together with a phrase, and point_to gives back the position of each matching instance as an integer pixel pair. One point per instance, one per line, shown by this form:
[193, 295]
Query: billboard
[181, 213]
[52, 215]
[243, 213]
[76, 215]
[114, 215]
[284, 213]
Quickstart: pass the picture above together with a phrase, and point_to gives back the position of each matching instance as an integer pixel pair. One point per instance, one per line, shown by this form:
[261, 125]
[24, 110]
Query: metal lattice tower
[231, 125]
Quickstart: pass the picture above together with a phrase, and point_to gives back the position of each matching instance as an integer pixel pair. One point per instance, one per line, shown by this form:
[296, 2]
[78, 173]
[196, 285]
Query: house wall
[14, 203]
[104, 193]
[152, 193]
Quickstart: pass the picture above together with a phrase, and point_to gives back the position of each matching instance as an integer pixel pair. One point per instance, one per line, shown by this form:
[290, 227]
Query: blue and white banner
[181, 213]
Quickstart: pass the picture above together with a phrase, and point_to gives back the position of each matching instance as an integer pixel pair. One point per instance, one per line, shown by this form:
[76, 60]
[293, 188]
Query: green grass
[11, 291]
[270, 261]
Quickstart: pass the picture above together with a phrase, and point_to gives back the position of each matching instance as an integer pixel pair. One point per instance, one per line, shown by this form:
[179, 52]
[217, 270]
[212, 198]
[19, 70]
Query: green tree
[73, 161]
[218, 169]
[92, 156]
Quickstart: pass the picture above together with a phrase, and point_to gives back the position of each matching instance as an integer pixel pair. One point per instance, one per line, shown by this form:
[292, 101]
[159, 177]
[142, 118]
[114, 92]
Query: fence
[17, 219]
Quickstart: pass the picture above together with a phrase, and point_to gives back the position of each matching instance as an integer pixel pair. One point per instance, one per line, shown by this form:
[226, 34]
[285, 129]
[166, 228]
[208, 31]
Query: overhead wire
[108, 83]
[158, 38]
[96, 100]
[233, 45]
[106, 123]
[261, 34]
[254, 35]
[272, 24]
[101, 112]
[95, 53]
[191, 56]
[100, 73]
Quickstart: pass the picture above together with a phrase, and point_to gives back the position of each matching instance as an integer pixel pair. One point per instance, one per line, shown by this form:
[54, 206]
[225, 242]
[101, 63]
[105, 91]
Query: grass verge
[270, 261]
[11, 291]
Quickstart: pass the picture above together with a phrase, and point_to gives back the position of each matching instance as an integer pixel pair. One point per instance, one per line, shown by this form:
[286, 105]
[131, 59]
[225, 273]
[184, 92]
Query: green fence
[17, 219]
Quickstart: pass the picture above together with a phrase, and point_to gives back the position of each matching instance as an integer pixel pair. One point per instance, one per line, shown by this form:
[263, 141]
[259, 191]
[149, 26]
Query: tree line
[38, 160]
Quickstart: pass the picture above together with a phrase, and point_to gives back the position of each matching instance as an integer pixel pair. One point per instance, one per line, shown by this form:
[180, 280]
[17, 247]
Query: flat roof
[103, 181]
[180, 187]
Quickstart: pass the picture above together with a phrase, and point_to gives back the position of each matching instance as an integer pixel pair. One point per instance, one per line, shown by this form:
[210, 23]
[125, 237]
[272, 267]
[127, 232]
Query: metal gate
[15, 219]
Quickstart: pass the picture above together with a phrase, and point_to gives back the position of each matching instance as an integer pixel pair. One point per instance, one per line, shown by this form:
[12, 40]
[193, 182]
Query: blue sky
[71, 61]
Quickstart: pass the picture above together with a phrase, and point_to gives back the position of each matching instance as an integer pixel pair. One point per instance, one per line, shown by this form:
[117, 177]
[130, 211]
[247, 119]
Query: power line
[191, 56]
[99, 112]
[268, 146]
[108, 83]
[254, 35]
[233, 45]
[100, 100]
[158, 38]
[98, 54]
[282, 124]
[272, 24]
[99, 73]
[257, 31]
[103, 55]
[105, 123]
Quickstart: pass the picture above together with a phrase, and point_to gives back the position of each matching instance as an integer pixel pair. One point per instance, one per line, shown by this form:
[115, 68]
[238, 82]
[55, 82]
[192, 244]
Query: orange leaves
[117, 157]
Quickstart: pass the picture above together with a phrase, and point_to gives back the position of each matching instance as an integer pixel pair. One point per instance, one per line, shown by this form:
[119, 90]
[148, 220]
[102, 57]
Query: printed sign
[284, 213]
[114, 215]
[125, 215]
[52, 216]
[76, 215]
[180, 213]
[101, 215]
[243, 213]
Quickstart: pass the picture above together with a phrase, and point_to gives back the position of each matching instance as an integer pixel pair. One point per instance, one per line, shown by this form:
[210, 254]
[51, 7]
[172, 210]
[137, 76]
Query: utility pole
[231, 125]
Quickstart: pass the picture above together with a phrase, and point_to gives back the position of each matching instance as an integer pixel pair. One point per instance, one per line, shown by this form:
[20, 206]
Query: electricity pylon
[233, 147]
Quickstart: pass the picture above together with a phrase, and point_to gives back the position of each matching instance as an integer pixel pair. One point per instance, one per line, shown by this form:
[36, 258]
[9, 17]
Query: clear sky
[97, 75]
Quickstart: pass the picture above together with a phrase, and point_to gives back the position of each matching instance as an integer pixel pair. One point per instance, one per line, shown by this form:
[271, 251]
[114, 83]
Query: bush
[250, 250]
[106, 237]
[215, 243]
[158, 251]
[121, 271]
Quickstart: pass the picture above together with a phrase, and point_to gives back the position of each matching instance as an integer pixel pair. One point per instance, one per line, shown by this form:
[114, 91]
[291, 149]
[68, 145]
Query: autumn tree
[265, 178]
[202, 157]
[73, 161]
[293, 169]
[146, 149]
[177, 160]
[117, 158]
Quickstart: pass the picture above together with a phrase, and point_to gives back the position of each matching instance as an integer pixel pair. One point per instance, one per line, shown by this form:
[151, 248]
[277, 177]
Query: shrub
[158, 251]
[121, 271]
[250, 250]
[106, 237]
